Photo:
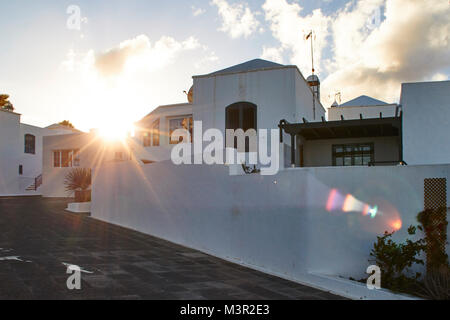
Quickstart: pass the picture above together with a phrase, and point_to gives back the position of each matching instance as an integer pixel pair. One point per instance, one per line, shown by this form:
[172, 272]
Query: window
[30, 144]
[241, 115]
[66, 158]
[180, 123]
[155, 133]
[353, 154]
[147, 142]
[20, 169]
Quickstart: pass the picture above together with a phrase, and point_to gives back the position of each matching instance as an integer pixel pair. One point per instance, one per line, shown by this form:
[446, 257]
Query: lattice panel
[435, 200]
[435, 193]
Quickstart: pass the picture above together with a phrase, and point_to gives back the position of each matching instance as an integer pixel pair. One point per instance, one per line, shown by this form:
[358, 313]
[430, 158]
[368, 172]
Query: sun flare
[115, 132]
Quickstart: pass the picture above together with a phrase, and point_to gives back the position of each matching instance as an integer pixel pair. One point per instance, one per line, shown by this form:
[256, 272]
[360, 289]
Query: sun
[114, 131]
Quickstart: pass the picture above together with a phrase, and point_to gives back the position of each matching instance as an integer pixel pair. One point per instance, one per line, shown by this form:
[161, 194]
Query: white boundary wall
[277, 224]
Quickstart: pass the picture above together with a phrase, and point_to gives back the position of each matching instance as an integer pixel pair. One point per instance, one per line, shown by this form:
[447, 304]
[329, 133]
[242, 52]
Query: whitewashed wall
[368, 112]
[32, 163]
[426, 122]
[278, 224]
[9, 152]
[278, 94]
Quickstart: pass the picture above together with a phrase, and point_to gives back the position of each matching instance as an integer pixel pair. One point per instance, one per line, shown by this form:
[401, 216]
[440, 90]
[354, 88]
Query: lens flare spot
[396, 224]
[331, 200]
[373, 212]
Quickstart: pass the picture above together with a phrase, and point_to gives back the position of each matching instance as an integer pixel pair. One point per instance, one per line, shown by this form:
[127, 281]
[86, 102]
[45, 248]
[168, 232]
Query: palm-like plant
[78, 181]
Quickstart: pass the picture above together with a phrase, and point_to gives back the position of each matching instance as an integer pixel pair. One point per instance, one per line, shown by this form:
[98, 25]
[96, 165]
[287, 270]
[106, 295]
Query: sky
[112, 62]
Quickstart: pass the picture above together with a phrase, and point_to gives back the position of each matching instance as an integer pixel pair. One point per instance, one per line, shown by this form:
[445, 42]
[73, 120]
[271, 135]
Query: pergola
[342, 129]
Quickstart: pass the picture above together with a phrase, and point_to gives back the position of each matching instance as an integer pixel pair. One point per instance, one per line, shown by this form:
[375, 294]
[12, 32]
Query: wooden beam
[316, 133]
[292, 150]
[333, 134]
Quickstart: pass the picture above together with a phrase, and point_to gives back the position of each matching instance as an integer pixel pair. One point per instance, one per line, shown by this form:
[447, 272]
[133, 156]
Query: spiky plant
[436, 284]
[78, 181]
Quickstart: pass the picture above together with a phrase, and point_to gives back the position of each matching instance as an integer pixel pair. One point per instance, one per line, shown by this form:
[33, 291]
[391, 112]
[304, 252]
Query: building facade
[21, 154]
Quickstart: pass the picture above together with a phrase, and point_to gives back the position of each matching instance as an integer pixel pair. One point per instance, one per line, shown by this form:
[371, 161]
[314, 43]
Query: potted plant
[78, 181]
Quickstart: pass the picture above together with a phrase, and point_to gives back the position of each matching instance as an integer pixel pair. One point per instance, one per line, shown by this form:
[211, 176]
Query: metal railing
[37, 182]
[387, 163]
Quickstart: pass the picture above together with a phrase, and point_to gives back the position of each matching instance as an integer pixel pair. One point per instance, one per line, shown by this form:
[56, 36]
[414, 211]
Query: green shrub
[433, 222]
[395, 261]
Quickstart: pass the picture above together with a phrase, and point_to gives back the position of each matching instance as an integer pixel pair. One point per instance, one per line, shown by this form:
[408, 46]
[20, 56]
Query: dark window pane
[65, 158]
[249, 116]
[347, 161]
[241, 115]
[155, 133]
[56, 159]
[179, 123]
[352, 154]
[146, 139]
[30, 144]
[233, 118]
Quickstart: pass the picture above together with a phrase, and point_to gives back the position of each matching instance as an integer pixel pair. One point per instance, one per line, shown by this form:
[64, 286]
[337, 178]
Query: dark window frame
[356, 150]
[30, 144]
[230, 123]
[66, 158]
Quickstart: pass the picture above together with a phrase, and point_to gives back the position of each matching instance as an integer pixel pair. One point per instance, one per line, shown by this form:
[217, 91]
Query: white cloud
[197, 11]
[375, 45]
[273, 54]
[237, 19]
[410, 44]
[140, 53]
[290, 28]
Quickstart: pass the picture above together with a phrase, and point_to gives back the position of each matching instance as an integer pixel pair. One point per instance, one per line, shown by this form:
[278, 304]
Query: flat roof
[360, 128]
[12, 112]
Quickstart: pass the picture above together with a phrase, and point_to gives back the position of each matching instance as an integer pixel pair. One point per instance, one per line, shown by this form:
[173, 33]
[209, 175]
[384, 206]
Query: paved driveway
[37, 236]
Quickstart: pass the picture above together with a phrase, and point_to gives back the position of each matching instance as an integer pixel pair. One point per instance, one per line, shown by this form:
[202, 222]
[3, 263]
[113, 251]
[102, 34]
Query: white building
[426, 122]
[252, 95]
[362, 107]
[21, 154]
[309, 223]
[62, 153]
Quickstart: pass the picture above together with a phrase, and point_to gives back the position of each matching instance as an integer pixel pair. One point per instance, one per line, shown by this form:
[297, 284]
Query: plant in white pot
[78, 182]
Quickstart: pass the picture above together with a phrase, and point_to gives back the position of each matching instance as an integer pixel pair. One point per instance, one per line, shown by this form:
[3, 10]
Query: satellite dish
[190, 95]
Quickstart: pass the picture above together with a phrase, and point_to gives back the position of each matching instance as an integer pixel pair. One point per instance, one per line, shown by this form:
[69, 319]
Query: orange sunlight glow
[396, 224]
[112, 131]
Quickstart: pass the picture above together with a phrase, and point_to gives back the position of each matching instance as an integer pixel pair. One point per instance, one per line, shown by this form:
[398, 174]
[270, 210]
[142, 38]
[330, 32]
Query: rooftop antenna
[311, 35]
[313, 80]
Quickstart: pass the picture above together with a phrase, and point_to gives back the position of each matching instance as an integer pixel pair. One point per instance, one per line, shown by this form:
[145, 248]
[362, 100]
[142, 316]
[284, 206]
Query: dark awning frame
[343, 129]
[378, 127]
